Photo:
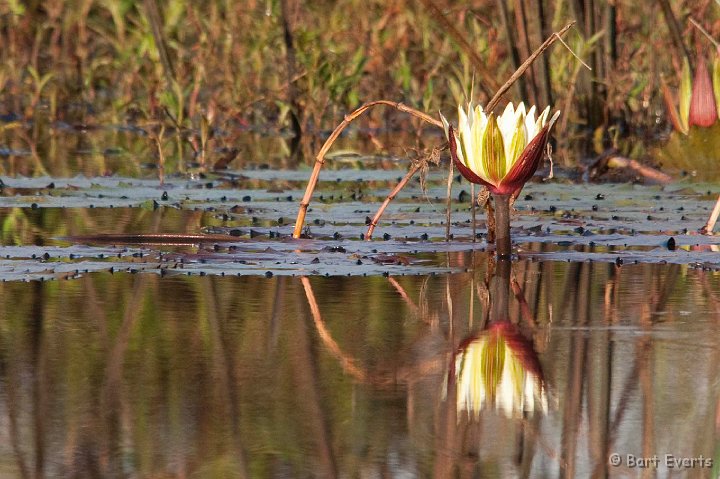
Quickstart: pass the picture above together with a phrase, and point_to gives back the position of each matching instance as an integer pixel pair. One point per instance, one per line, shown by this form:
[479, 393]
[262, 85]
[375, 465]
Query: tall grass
[100, 61]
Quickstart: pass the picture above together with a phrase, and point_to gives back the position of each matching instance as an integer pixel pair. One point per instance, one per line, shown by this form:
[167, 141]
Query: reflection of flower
[699, 104]
[499, 369]
[501, 153]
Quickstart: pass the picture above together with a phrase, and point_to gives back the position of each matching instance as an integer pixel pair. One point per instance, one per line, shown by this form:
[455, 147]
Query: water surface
[137, 375]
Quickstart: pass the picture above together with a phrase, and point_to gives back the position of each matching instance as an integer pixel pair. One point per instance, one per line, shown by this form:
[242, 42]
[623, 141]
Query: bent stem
[320, 158]
[708, 228]
[503, 245]
[390, 197]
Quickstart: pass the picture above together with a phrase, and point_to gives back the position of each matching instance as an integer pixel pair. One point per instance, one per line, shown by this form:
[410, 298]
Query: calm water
[141, 376]
[542, 369]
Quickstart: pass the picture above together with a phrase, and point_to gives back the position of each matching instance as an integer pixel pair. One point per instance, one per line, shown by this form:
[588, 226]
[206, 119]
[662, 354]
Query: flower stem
[503, 245]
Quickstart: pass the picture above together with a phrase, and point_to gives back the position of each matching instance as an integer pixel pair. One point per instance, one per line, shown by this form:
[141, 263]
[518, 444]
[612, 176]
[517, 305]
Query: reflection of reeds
[197, 353]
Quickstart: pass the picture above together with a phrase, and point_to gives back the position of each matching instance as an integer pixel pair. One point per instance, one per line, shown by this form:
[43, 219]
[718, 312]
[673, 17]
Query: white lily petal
[506, 123]
[542, 119]
[530, 126]
[478, 130]
[554, 118]
[462, 117]
[446, 126]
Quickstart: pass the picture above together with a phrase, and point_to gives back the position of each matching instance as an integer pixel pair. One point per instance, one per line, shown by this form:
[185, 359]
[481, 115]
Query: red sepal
[525, 166]
[703, 109]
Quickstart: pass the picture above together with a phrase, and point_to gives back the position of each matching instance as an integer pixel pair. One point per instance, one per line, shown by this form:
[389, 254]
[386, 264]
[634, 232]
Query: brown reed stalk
[491, 223]
[515, 44]
[519, 72]
[155, 20]
[320, 158]
[674, 28]
[708, 228]
[489, 83]
[291, 67]
[521, 22]
[448, 201]
[401, 184]
[544, 76]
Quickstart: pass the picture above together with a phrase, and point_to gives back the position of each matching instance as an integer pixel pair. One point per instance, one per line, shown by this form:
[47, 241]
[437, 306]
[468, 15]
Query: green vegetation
[226, 65]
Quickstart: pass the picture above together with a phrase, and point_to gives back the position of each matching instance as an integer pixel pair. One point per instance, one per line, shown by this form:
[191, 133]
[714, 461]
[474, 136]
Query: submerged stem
[503, 245]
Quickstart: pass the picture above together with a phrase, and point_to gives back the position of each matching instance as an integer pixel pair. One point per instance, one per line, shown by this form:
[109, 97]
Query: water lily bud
[703, 109]
[501, 153]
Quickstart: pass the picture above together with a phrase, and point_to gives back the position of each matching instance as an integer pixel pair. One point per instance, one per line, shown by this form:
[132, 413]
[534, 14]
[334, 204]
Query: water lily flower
[499, 370]
[501, 152]
[699, 97]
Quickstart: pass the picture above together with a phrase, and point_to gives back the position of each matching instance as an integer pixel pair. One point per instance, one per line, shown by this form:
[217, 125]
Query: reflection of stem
[501, 291]
[39, 392]
[503, 245]
[224, 372]
[276, 310]
[578, 372]
[403, 294]
[525, 311]
[12, 387]
[644, 354]
[348, 364]
[111, 396]
[448, 298]
[306, 382]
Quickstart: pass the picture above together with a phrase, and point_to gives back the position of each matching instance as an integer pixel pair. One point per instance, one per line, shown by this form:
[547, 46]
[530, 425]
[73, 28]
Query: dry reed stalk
[401, 184]
[513, 42]
[707, 229]
[489, 83]
[519, 72]
[651, 174]
[674, 28]
[320, 158]
[291, 67]
[521, 22]
[545, 80]
[448, 200]
[155, 20]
